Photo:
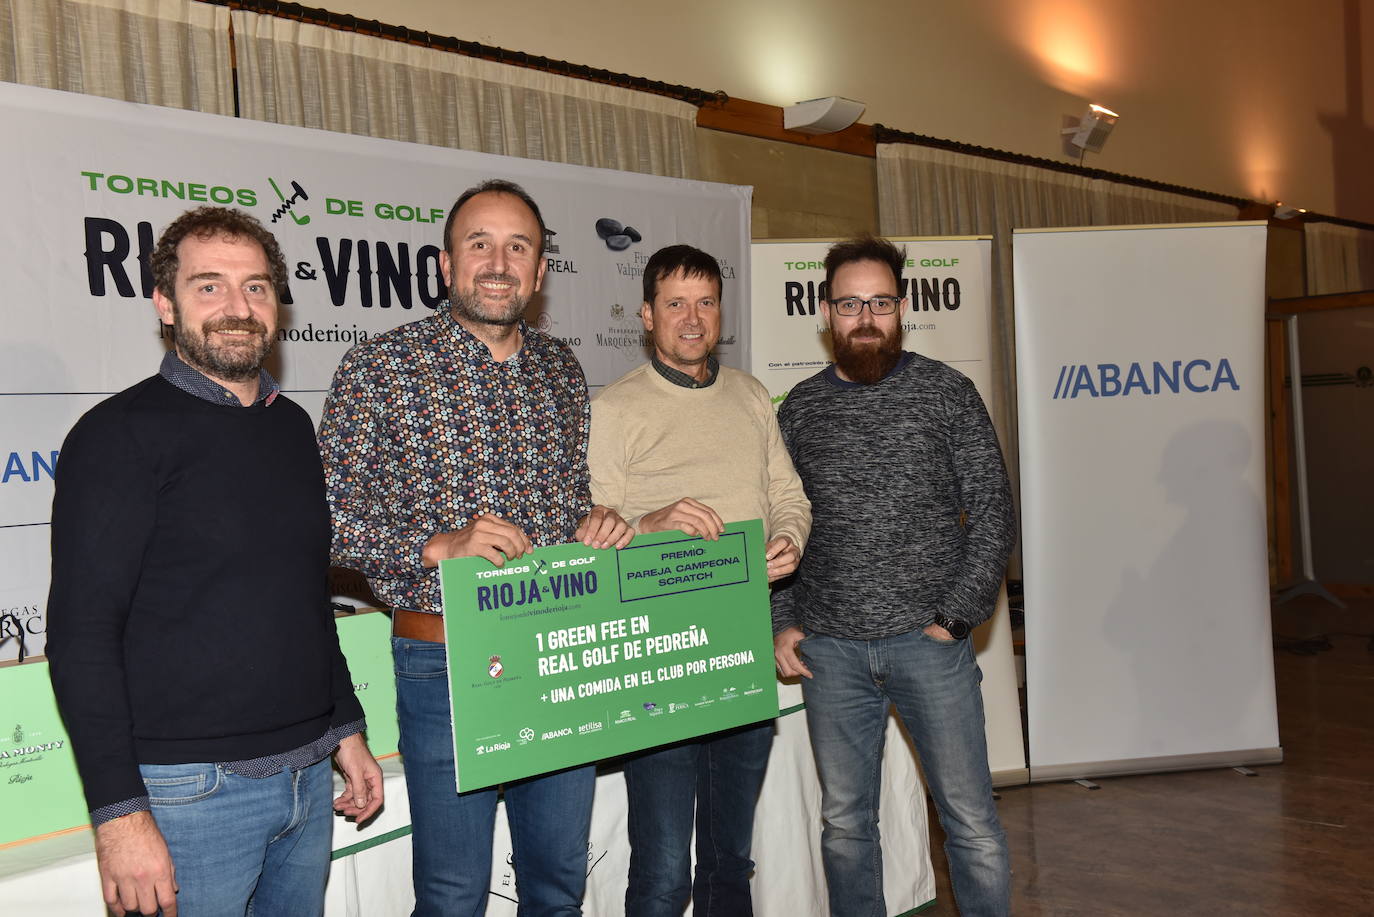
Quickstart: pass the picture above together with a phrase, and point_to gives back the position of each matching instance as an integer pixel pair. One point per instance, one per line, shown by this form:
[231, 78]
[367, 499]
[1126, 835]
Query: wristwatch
[957, 629]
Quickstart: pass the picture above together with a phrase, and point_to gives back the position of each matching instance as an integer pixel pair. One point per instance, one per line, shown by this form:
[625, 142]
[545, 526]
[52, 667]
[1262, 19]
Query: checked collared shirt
[423, 430]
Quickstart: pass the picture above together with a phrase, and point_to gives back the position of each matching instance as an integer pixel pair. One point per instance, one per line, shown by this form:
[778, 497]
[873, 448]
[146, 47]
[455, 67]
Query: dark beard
[867, 362]
[230, 364]
[468, 304]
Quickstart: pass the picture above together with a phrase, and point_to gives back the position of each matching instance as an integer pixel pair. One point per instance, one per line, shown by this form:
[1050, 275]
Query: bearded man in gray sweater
[912, 527]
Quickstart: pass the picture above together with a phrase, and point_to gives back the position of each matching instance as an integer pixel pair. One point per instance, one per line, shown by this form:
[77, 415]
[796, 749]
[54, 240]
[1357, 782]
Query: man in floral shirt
[465, 434]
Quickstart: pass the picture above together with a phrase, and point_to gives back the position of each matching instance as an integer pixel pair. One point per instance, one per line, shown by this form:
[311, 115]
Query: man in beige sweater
[685, 443]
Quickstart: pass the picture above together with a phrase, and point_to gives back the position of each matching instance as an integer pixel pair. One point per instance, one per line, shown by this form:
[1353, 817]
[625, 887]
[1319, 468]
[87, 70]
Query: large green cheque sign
[571, 654]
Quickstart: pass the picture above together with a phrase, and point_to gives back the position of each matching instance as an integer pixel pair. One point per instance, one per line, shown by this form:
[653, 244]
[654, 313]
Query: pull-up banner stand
[1140, 374]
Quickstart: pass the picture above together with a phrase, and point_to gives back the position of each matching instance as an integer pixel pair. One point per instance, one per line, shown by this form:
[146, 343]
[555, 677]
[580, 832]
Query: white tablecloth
[56, 877]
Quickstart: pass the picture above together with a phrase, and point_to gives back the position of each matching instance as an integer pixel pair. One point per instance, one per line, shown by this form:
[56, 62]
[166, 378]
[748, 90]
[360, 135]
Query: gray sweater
[911, 508]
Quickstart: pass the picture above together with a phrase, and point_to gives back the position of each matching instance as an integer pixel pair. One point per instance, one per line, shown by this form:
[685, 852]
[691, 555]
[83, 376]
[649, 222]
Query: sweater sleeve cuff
[797, 538]
[783, 607]
[339, 733]
[118, 810]
[959, 607]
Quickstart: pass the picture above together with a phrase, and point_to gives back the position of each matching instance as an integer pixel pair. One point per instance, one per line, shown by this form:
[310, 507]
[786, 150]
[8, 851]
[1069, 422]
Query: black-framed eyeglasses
[878, 305]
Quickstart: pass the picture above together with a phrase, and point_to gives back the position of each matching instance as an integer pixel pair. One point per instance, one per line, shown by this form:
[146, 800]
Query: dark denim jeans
[549, 816]
[715, 782]
[242, 845]
[935, 688]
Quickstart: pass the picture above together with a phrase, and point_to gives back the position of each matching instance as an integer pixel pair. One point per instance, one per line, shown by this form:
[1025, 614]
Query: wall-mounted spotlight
[821, 116]
[1284, 211]
[1092, 130]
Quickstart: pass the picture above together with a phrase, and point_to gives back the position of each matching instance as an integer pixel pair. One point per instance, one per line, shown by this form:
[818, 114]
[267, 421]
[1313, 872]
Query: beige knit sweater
[654, 442]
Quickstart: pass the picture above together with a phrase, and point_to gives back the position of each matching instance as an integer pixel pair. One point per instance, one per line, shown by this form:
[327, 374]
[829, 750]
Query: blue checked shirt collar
[194, 382]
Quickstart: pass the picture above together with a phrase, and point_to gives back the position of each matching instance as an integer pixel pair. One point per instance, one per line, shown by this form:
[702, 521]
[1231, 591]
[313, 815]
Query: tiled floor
[1298, 839]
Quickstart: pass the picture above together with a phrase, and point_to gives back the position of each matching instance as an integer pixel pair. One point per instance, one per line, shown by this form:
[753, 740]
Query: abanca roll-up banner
[1140, 377]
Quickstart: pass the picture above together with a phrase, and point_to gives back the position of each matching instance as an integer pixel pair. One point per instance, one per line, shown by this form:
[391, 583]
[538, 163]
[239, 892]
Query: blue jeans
[716, 781]
[242, 845]
[935, 688]
[549, 816]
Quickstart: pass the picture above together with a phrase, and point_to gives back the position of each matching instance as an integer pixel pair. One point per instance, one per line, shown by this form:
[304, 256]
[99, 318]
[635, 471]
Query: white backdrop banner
[948, 282]
[1140, 376]
[92, 182]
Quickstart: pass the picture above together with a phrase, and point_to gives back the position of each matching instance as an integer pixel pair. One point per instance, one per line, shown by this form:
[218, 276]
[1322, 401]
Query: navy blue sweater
[188, 617]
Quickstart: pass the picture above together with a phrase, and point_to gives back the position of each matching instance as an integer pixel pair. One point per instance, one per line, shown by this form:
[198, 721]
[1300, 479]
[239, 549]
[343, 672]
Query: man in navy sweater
[191, 644]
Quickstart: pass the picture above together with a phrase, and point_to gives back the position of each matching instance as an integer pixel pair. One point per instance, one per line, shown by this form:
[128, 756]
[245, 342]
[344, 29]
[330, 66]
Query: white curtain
[924, 191]
[173, 53]
[311, 76]
[1115, 204]
[929, 192]
[1340, 259]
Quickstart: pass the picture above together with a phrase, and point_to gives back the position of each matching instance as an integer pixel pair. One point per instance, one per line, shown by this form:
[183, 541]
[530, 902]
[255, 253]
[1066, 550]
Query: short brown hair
[864, 248]
[206, 223]
[684, 259]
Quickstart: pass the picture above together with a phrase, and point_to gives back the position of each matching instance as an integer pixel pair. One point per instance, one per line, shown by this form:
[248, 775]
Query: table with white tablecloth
[56, 876]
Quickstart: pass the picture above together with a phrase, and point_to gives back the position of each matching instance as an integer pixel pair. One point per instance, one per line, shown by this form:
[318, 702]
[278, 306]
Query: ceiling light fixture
[821, 116]
[1091, 131]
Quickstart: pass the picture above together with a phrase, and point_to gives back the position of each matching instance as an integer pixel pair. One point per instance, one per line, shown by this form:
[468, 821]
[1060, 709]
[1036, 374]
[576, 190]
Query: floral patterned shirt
[423, 430]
